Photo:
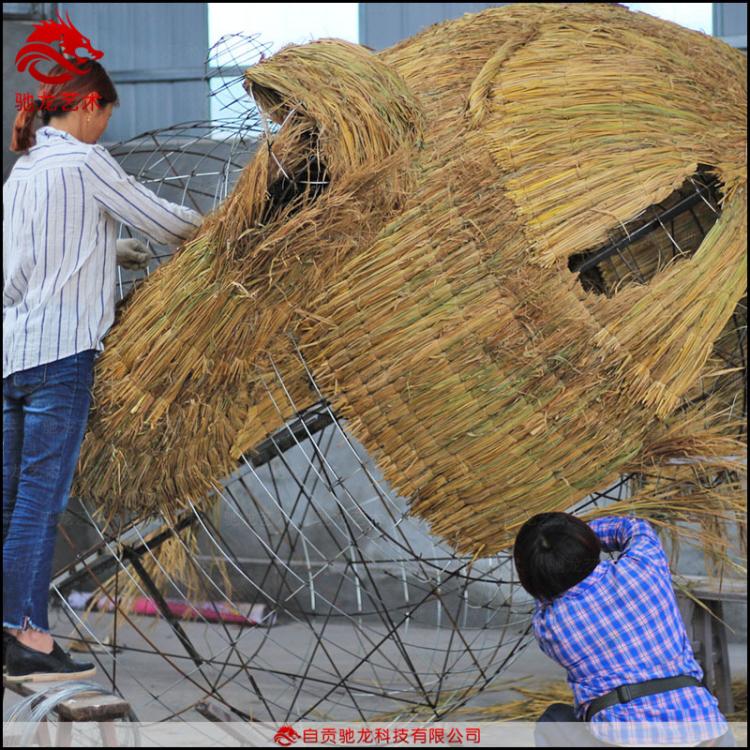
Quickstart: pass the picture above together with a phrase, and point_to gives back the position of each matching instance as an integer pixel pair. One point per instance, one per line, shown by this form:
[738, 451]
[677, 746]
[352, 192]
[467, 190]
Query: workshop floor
[155, 689]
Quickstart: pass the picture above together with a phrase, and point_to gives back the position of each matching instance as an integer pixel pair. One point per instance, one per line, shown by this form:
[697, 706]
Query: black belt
[626, 693]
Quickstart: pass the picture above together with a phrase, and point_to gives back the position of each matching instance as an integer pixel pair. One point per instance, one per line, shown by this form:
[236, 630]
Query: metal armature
[360, 613]
[371, 613]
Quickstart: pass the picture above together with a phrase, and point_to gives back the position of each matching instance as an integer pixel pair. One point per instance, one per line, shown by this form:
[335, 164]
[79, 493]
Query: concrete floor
[284, 671]
[278, 657]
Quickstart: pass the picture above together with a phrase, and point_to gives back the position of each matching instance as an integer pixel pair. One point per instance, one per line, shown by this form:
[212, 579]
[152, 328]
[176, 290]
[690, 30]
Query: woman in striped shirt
[62, 204]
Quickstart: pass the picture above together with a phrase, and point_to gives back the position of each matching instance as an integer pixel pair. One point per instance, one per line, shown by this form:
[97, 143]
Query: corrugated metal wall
[730, 23]
[155, 54]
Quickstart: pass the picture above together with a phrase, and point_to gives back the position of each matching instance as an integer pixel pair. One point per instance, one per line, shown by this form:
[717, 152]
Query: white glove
[132, 254]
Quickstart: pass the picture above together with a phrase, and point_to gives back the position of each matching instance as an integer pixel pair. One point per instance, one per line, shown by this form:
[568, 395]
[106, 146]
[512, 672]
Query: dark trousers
[567, 731]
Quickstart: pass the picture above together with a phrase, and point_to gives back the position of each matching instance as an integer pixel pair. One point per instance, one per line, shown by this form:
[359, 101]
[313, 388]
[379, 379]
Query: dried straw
[427, 283]
[535, 699]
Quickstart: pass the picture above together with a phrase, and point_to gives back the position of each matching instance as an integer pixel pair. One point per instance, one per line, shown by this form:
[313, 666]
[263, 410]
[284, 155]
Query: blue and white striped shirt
[621, 625]
[62, 203]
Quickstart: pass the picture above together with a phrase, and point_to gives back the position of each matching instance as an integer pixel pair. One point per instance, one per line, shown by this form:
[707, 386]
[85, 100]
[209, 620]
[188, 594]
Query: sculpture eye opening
[299, 174]
[663, 233]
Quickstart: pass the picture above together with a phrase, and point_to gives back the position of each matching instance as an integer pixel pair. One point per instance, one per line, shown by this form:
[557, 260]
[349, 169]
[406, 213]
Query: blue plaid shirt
[621, 625]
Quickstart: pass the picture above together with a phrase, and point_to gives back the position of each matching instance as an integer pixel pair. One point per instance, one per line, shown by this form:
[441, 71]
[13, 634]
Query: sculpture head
[410, 227]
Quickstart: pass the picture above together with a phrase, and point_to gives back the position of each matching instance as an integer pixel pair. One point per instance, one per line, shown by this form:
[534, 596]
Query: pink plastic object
[211, 611]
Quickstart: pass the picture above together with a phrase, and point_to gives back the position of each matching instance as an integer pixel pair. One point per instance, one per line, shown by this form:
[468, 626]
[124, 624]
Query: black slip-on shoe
[25, 664]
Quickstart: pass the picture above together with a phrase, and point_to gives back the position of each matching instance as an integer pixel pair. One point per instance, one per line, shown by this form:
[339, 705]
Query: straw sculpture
[408, 229]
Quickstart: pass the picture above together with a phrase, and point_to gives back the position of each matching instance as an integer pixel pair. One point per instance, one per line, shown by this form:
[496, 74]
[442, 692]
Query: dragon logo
[38, 48]
[286, 736]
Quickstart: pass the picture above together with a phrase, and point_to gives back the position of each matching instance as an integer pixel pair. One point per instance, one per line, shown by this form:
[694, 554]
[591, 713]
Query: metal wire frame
[227, 60]
[661, 215]
[189, 165]
[366, 634]
[217, 149]
[36, 708]
[308, 506]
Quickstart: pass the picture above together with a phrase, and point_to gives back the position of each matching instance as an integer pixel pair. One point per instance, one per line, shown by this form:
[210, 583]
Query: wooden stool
[706, 629]
[85, 706]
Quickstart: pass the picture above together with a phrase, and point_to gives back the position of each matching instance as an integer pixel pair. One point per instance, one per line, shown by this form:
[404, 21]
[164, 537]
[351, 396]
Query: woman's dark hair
[553, 552]
[57, 99]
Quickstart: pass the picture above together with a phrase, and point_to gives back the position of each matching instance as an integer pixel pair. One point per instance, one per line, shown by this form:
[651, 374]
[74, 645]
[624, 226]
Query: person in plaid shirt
[614, 623]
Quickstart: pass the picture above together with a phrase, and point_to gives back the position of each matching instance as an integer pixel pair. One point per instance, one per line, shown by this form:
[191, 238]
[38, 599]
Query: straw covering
[427, 281]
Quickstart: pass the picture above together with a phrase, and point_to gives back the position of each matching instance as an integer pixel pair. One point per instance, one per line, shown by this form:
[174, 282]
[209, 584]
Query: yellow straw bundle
[428, 283]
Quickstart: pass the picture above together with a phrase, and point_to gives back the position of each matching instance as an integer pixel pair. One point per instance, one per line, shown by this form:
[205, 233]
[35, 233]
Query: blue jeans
[45, 412]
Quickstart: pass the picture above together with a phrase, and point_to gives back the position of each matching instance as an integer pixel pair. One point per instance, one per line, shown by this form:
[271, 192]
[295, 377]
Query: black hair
[553, 552]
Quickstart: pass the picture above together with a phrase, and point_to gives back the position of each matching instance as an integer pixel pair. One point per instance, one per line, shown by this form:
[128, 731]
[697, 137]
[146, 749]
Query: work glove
[132, 254]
